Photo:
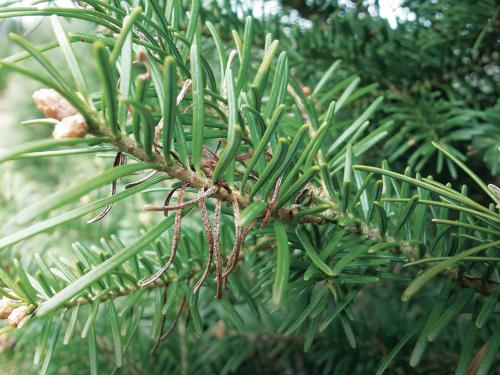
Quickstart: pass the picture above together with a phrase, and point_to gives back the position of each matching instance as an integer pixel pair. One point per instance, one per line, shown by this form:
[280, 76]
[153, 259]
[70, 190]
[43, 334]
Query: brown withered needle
[119, 160]
[233, 258]
[274, 199]
[208, 233]
[141, 180]
[162, 324]
[211, 191]
[218, 260]
[175, 240]
[174, 322]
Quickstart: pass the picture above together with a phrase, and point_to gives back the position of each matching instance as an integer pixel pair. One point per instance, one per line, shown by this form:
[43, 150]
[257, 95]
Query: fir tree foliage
[260, 234]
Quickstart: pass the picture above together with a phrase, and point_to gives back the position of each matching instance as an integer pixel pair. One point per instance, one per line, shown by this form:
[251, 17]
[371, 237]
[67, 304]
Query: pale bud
[71, 127]
[17, 315]
[6, 307]
[52, 104]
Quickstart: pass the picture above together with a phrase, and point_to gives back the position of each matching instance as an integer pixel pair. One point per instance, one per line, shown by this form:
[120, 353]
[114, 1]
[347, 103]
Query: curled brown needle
[218, 260]
[272, 204]
[175, 240]
[119, 160]
[184, 90]
[209, 192]
[208, 233]
[141, 180]
[235, 254]
[162, 324]
[170, 328]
